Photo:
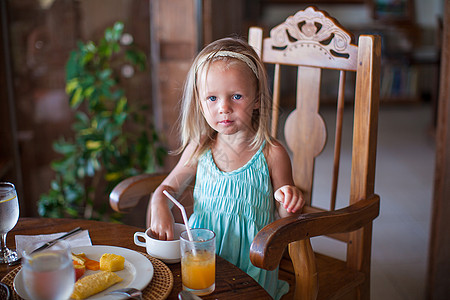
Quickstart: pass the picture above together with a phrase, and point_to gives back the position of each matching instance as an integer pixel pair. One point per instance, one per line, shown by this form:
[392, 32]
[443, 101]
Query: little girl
[227, 148]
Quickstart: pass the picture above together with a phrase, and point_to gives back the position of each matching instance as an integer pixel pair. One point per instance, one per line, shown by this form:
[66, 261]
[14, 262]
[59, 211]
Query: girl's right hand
[161, 221]
[160, 215]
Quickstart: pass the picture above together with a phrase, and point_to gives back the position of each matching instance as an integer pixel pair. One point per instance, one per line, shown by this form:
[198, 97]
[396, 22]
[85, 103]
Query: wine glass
[9, 215]
[49, 274]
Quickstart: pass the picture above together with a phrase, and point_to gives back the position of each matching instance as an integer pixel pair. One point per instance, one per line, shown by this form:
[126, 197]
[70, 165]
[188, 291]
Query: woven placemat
[158, 289]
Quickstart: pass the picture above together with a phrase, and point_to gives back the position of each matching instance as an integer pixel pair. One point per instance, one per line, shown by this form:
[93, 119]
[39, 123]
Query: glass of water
[48, 274]
[9, 215]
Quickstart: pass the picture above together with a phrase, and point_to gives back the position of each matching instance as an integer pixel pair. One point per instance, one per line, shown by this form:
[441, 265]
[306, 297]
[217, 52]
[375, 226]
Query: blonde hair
[193, 125]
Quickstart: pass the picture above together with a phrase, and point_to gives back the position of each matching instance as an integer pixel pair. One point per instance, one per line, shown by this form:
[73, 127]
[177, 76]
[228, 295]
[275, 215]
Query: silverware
[49, 244]
[186, 295]
[131, 293]
[52, 242]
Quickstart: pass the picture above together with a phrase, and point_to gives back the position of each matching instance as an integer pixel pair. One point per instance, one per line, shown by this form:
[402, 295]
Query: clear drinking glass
[198, 261]
[9, 215]
[48, 274]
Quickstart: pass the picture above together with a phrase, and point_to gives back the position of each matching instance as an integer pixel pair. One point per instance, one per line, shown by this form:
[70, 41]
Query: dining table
[231, 282]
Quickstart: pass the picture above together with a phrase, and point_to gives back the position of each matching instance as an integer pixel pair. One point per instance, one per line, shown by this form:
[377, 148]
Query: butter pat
[111, 262]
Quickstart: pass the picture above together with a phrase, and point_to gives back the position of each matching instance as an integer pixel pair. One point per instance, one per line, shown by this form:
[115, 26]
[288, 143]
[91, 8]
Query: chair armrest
[128, 192]
[270, 243]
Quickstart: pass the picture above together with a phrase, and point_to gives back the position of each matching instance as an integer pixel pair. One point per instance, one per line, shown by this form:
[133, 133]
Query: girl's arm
[289, 197]
[161, 218]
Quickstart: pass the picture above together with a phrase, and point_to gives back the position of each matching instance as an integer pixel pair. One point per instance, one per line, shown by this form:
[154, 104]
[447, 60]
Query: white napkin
[28, 242]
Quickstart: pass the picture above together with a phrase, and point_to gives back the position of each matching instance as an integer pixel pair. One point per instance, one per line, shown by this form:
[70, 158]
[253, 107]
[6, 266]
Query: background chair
[312, 41]
[133, 194]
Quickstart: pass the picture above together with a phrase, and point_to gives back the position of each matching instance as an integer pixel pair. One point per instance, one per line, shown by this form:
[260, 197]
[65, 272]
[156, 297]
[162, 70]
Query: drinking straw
[183, 213]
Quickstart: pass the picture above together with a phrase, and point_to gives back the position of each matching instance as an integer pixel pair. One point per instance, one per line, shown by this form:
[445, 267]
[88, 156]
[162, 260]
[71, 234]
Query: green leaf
[120, 118]
[116, 47]
[89, 91]
[72, 85]
[103, 75]
[96, 163]
[82, 117]
[117, 30]
[81, 172]
[76, 98]
[90, 47]
[113, 176]
[89, 81]
[109, 34]
[72, 65]
[93, 145]
[117, 94]
[137, 58]
[88, 56]
[90, 170]
[64, 148]
[105, 50]
[54, 185]
[102, 122]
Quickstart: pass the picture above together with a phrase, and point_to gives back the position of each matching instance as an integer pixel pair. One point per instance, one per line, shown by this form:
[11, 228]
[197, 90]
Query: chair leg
[306, 278]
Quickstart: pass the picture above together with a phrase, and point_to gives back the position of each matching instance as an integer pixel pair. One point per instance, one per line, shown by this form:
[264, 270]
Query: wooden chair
[313, 41]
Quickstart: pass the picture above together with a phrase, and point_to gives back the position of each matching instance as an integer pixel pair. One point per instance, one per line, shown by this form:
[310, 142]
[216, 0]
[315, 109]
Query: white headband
[224, 53]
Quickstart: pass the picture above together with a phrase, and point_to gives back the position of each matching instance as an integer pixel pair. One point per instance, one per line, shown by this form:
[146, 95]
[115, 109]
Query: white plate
[138, 271]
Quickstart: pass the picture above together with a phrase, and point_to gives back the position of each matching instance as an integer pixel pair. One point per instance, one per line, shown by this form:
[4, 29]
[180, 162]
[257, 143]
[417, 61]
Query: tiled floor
[404, 180]
[405, 170]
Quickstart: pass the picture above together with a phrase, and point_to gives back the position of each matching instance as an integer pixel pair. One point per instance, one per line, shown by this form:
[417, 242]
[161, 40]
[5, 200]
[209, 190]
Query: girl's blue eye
[212, 98]
[237, 97]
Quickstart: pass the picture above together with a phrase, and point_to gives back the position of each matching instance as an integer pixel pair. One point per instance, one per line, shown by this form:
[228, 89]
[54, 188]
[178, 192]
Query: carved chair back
[314, 42]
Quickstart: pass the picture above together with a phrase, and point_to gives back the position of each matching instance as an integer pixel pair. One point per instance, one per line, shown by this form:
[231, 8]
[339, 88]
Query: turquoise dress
[236, 205]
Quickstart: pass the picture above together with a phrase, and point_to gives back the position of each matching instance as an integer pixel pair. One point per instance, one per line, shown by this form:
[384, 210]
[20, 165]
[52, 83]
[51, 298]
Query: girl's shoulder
[275, 152]
[195, 149]
[274, 146]
[188, 156]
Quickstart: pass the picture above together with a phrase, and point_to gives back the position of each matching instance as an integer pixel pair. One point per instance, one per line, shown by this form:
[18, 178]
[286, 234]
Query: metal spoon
[186, 295]
[132, 293]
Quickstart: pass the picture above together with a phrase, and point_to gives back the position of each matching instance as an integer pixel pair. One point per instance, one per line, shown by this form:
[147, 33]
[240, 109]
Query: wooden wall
[40, 39]
[179, 30]
[438, 284]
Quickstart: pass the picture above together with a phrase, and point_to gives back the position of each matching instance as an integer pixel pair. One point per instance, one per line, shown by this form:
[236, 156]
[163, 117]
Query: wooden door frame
[438, 280]
[12, 164]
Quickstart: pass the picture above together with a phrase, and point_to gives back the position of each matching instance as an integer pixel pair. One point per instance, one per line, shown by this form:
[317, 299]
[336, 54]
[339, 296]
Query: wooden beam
[438, 281]
[174, 32]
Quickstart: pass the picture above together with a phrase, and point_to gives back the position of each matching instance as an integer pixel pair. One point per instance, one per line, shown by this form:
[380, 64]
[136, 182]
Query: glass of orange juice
[198, 261]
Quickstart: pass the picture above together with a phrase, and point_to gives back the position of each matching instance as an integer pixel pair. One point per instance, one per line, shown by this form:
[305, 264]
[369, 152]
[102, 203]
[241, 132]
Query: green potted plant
[112, 139]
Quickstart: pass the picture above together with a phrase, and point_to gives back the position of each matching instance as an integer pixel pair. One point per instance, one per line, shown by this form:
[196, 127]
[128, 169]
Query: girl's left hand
[290, 197]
